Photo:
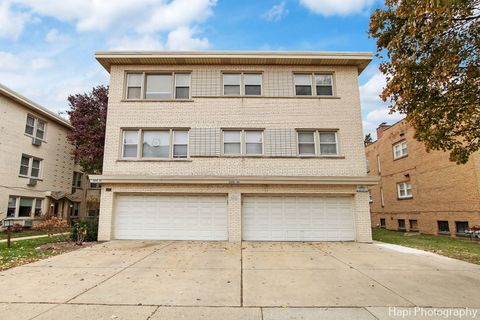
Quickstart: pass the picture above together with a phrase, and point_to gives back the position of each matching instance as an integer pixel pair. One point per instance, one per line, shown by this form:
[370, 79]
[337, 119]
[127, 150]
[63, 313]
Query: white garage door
[292, 218]
[171, 217]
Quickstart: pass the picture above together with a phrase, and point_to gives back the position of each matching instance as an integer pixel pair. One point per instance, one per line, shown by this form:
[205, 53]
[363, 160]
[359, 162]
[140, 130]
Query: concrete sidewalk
[33, 237]
[252, 280]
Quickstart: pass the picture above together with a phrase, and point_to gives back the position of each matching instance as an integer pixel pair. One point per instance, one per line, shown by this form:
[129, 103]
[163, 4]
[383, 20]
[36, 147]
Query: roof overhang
[29, 104]
[236, 180]
[109, 58]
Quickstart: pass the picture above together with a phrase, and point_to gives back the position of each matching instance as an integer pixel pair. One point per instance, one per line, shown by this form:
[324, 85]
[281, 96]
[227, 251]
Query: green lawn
[23, 251]
[462, 249]
[25, 233]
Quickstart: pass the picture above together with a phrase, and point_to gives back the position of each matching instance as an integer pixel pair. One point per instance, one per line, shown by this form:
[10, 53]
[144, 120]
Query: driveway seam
[374, 316]
[56, 305]
[369, 277]
[116, 273]
[154, 311]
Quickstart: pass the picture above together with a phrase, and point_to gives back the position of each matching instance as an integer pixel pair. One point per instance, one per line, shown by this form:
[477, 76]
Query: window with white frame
[35, 127]
[23, 207]
[247, 84]
[370, 197]
[309, 84]
[161, 86]
[231, 84]
[30, 166]
[400, 150]
[155, 144]
[323, 143]
[134, 85]
[404, 190]
[130, 144]
[306, 143]
[243, 142]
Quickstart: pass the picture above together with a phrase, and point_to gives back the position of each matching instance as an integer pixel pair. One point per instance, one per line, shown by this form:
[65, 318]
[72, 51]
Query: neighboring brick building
[234, 145]
[37, 166]
[418, 190]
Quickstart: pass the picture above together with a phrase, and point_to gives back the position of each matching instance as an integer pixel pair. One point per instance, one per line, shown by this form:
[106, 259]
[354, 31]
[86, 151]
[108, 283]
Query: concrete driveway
[220, 280]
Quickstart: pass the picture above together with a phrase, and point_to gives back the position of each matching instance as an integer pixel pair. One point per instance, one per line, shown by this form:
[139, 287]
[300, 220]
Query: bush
[86, 230]
[52, 225]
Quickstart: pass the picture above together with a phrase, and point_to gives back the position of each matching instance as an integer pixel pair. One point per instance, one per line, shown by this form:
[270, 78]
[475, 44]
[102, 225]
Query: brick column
[234, 216]
[361, 207]
[105, 222]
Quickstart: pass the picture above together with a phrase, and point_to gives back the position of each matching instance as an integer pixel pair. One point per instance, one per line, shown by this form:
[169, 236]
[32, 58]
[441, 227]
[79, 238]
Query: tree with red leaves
[88, 116]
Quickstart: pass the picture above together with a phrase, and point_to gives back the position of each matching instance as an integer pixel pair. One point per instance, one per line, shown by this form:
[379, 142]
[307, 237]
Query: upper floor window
[164, 144]
[75, 209]
[162, 86]
[236, 84]
[35, 127]
[400, 150]
[77, 180]
[404, 190]
[323, 84]
[312, 143]
[243, 142]
[30, 166]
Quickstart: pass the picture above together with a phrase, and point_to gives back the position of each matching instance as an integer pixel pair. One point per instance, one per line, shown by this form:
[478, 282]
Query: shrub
[84, 230]
[17, 227]
[52, 225]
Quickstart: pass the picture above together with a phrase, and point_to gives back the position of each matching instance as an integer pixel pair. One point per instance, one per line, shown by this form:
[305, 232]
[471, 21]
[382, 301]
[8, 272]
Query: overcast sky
[47, 46]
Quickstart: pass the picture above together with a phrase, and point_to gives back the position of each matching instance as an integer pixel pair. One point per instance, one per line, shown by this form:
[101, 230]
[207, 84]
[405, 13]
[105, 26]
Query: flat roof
[34, 106]
[109, 58]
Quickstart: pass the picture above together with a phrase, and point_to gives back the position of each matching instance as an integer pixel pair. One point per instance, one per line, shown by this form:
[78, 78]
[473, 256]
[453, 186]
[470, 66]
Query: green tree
[368, 139]
[432, 66]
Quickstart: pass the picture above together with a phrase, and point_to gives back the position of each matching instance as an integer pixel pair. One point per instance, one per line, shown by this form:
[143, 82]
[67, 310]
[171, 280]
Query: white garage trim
[297, 218]
[171, 217]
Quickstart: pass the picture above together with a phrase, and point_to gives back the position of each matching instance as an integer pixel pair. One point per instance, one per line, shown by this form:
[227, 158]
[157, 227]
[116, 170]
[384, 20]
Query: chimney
[381, 128]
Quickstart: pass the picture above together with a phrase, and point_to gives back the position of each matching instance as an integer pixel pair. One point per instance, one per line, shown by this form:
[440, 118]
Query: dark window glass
[30, 125]
[324, 91]
[382, 222]
[24, 166]
[413, 224]
[443, 226]
[462, 226]
[253, 90]
[12, 204]
[182, 93]
[401, 224]
[230, 90]
[25, 209]
[303, 90]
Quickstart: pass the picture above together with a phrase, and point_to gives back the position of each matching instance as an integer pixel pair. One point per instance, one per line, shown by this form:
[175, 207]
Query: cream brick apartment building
[234, 145]
[37, 169]
[418, 190]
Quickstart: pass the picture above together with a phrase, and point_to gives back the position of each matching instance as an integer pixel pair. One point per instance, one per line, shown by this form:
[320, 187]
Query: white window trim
[313, 84]
[402, 154]
[382, 198]
[243, 143]
[17, 207]
[30, 167]
[242, 84]
[35, 128]
[404, 184]
[140, 144]
[316, 139]
[143, 85]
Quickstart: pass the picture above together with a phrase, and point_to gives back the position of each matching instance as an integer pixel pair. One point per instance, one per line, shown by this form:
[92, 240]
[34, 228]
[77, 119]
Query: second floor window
[164, 86]
[404, 190]
[160, 144]
[30, 166]
[77, 180]
[243, 142]
[236, 84]
[35, 127]
[323, 84]
[400, 150]
[326, 145]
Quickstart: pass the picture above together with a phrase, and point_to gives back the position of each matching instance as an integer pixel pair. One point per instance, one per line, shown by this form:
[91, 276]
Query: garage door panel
[297, 218]
[183, 217]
